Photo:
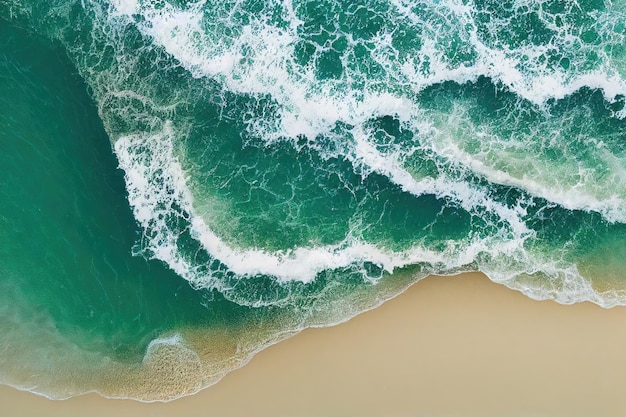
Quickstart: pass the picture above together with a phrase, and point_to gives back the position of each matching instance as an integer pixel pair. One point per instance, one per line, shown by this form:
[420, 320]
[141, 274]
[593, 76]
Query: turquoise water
[184, 183]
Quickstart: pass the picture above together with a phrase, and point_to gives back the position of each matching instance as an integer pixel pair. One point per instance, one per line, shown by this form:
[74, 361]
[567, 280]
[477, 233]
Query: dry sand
[456, 346]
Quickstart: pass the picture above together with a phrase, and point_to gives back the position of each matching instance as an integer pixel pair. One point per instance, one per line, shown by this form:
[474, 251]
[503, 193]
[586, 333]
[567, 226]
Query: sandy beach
[449, 346]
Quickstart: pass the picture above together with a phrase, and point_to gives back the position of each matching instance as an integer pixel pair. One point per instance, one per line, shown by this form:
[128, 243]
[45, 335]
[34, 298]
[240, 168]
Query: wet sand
[449, 346]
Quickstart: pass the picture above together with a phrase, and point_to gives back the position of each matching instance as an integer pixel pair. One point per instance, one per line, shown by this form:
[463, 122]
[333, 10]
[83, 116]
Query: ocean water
[183, 183]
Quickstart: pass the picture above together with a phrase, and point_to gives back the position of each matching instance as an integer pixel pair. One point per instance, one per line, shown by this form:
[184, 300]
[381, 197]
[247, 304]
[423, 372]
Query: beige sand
[458, 346]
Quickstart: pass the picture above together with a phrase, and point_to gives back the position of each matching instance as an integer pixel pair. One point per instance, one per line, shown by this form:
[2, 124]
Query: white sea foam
[271, 68]
[541, 278]
[174, 343]
[583, 192]
[467, 196]
[156, 186]
[153, 197]
[522, 69]
[258, 59]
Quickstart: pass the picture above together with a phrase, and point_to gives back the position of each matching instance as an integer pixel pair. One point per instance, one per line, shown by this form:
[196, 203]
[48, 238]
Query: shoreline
[447, 346]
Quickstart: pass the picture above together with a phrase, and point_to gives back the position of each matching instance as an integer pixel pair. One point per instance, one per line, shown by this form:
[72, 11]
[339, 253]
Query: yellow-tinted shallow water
[455, 346]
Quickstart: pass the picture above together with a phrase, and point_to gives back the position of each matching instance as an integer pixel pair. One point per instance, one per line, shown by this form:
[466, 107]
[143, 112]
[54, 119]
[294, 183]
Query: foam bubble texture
[330, 70]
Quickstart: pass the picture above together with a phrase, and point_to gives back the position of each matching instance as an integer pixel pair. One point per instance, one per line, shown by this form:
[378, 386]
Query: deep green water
[247, 169]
